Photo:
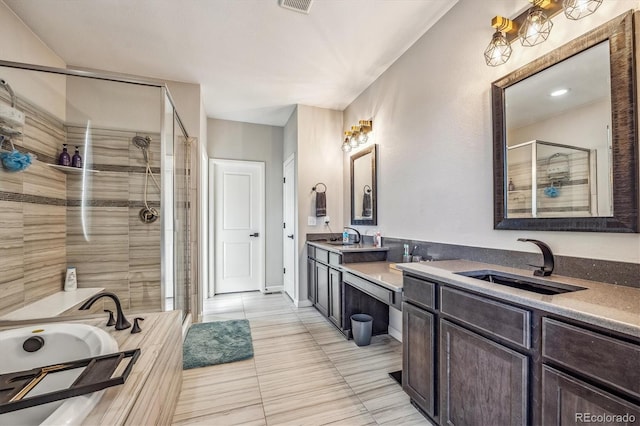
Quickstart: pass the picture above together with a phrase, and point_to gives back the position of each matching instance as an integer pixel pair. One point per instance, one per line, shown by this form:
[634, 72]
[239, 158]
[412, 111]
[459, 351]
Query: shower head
[143, 143]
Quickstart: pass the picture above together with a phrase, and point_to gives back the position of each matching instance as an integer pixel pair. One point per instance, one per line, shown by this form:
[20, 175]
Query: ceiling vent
[301, 6]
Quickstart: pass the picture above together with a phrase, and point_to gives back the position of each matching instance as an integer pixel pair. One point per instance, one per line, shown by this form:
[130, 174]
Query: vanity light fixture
[358, 135]
[578, 9]
[537, 25]
[499, 50]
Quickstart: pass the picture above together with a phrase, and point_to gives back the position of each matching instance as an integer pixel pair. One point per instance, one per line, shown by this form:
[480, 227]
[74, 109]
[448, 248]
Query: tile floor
[303, 373]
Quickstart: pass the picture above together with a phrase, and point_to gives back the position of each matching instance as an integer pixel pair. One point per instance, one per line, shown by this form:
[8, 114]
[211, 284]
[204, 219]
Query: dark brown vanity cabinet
[601, 376]
[471, 359]
[481, 382]
[325, 283]
[418, 363]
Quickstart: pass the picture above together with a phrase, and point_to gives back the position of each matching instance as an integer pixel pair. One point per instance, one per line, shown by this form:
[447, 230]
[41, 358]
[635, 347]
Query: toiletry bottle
[64, 159]
[378, 239]
[406, 257]
[512, 187]
[71, 281]
[76, 160]
[345, 236]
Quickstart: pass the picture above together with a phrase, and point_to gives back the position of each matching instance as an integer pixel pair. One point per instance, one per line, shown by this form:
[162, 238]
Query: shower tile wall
[123, 254]
[33, 216]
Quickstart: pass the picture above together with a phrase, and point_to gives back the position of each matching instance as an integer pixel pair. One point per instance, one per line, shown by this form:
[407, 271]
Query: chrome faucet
[121, 321]
[358, 236]
[546, 269]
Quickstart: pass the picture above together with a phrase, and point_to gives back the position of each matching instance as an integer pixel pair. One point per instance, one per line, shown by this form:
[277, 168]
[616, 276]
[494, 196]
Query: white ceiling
[253, 59]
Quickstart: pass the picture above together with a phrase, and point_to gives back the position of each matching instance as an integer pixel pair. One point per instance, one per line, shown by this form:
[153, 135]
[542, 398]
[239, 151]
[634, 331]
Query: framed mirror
[565, 137]
[364, 210]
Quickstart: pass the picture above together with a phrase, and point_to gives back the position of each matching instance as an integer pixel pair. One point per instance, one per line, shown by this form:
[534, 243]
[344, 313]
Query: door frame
[291, 159]
[212, 242]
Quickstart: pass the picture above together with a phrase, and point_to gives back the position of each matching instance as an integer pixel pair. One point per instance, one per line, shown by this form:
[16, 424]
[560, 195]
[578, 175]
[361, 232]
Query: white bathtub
[62, 342]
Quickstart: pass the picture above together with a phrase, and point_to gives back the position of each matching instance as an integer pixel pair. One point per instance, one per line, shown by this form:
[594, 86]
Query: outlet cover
[311, 221]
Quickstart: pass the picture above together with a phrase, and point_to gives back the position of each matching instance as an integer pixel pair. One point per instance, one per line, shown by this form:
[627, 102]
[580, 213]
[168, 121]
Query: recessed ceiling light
[559, 92]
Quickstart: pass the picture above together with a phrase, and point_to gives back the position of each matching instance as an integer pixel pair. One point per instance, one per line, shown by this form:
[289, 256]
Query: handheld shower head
[143, 143]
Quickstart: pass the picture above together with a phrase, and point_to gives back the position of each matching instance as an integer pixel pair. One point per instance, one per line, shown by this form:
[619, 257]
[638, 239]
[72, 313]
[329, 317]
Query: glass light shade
[499, 50]
[345, 146]
[363, 138]
[536, 28]
[578, 9]
[355, 132]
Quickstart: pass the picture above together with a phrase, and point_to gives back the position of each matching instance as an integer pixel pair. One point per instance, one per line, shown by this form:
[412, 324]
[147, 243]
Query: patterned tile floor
[304, 372]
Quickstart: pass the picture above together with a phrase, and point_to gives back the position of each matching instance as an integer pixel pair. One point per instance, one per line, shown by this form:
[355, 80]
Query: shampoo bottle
[345, 236]
[378, 240]
[64, 159]
[76, 160]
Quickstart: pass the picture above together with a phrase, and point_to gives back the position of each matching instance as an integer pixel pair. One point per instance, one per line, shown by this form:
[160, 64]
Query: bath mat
[219, 342]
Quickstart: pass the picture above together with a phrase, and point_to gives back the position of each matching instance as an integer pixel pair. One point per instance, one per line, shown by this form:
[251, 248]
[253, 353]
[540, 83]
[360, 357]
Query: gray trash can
[361, 328]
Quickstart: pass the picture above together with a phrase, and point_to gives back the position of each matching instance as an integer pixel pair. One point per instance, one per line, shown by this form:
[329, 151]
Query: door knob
[290, 236]
[255, 234]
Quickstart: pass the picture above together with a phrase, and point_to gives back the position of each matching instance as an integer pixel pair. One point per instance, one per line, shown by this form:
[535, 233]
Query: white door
[239, 225]
[288, 232]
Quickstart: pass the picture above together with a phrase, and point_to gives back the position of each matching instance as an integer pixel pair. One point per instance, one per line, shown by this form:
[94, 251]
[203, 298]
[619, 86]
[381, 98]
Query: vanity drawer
[335, 259]
[499, 319]
[419, 292]
[311, 251]
[606, 359]
[322, 255]
[374, 290]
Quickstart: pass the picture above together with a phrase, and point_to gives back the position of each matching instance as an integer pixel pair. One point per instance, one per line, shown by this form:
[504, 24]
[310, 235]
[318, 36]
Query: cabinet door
[569, 401]
[418, 363]
[311, 280]
[322, 288]
[335, 290]
[482, 382]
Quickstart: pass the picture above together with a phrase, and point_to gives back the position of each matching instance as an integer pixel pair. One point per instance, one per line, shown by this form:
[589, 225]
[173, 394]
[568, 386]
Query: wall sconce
[532, 26]
[358, 135]
[499, 50]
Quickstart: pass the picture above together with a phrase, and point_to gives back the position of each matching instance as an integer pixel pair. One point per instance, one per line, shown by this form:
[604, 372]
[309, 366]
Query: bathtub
[62, 342]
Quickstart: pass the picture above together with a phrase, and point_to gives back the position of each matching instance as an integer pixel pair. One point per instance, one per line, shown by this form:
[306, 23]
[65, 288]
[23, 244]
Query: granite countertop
[350, 248]
[381, 273]
[605, 305]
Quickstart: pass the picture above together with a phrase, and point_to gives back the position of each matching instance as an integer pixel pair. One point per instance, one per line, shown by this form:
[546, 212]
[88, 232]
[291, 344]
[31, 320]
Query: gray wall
[234, 140]
[432, 120]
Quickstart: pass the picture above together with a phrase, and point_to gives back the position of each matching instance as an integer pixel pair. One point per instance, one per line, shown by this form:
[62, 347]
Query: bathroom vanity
[485, 353]
[342, 281]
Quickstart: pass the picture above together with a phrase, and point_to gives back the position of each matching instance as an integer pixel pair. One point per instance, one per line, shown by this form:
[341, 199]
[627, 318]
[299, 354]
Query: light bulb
[535, 28]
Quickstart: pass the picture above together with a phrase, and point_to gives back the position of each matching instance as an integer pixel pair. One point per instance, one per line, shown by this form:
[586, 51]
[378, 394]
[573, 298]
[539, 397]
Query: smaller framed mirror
[364, 209]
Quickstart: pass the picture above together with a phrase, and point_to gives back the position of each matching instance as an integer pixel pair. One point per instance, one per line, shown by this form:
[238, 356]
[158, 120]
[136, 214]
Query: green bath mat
[219, 342]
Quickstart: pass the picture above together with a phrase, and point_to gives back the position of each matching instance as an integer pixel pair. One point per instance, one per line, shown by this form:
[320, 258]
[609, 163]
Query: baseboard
[303, 303]
[396, 334]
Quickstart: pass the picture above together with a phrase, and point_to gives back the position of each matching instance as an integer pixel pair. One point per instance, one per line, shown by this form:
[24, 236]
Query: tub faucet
[546, 269]
[358, 236]
[121, 321]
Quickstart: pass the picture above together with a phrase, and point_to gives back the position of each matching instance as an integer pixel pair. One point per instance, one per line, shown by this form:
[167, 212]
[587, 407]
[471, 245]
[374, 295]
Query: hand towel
[366, 202]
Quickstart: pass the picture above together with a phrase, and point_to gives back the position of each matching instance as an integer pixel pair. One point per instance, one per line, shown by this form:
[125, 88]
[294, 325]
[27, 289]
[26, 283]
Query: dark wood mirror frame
[374, 186]
[620, 33]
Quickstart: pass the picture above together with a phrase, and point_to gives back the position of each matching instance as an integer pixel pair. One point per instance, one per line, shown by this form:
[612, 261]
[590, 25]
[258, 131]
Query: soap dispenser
[76, 160]
[64, 159]
[345, 236]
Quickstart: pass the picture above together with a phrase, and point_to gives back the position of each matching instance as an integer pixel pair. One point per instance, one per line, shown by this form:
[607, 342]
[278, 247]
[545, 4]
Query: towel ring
[367, 189]
[316, 185]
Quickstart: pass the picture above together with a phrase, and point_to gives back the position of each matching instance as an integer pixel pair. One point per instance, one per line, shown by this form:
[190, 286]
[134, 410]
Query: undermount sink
[523, 283]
